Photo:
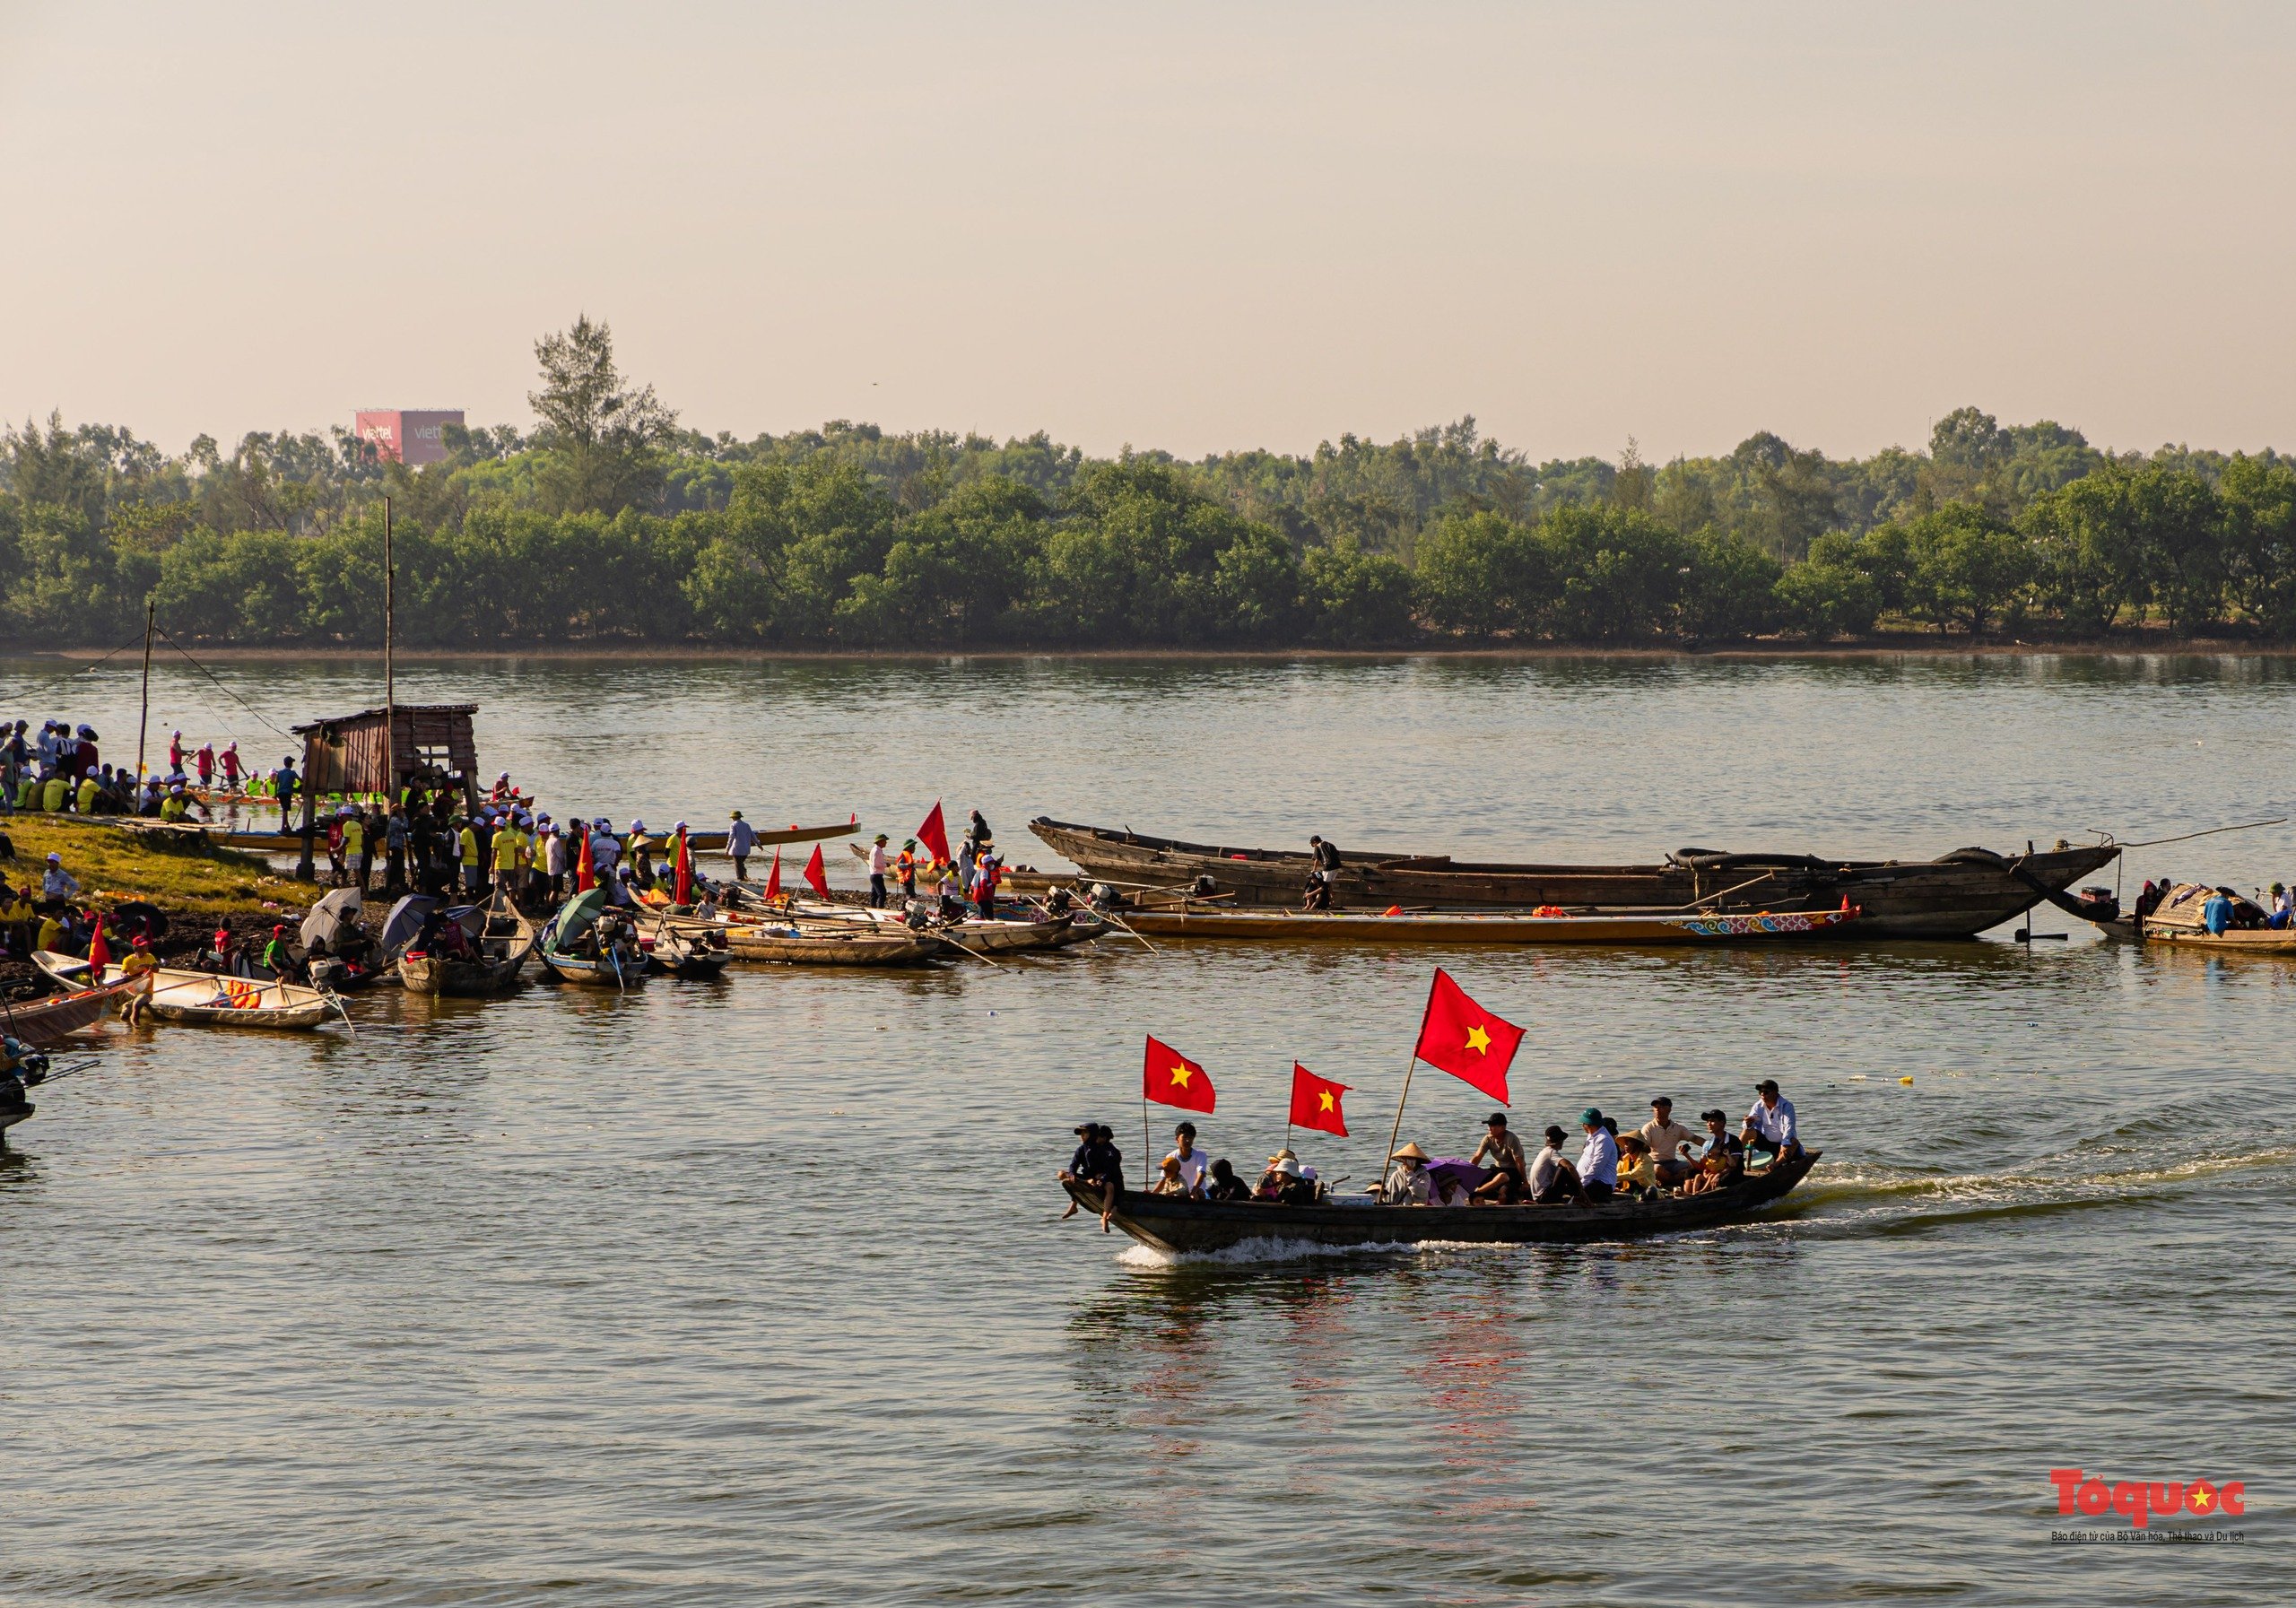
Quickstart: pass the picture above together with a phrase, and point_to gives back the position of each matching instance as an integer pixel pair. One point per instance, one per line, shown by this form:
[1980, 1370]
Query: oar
[1115, 921]
[78, 1067]
[975, 953]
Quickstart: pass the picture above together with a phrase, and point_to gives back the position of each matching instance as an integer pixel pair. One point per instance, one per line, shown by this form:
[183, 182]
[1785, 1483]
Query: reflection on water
[747, 1292]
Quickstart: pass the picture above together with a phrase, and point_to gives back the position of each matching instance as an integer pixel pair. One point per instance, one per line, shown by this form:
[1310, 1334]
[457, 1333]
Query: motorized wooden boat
[1473, 927]
[46, 1020]
[502, 940]
[1183, 1227]
[2181, 920]
[1027, 929]
[1956, 896]
[691, 950]
[609, 960]
[205, 999]
[793, 944]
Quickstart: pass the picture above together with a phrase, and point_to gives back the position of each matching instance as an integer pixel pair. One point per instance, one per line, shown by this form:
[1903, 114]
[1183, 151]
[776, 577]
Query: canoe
[692, 953]
[823, 946]
[46, 1020]
[619, 965]
[1182, 1226]
[1956, 896]
[505, 940]
[999, 935]
[1462, 927]
[204, 999]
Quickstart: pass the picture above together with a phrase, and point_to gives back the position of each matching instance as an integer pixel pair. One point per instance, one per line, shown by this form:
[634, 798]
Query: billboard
[413, 435]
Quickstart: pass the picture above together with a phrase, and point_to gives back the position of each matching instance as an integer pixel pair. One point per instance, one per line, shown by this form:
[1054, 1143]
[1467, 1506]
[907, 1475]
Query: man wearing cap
[1502, 1147]
[1597, 1159]
[1669, 1141]
[1096, 1164]
[1771, 1121]
[57, 882]
[905, 867]
[880, 861]
[1555, 1182]
[741, 838]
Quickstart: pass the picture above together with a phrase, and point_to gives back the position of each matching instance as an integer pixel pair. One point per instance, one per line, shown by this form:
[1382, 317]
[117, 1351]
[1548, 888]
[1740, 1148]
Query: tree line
[609, 522]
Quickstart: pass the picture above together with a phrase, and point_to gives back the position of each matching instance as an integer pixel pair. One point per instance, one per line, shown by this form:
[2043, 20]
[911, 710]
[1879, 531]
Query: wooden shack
[431, 743]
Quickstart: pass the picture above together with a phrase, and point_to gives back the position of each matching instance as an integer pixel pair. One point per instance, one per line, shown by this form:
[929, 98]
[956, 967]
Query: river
[751, 1292]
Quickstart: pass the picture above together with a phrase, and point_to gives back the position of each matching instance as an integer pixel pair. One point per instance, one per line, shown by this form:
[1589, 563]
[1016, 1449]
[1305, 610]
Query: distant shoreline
[688, 653]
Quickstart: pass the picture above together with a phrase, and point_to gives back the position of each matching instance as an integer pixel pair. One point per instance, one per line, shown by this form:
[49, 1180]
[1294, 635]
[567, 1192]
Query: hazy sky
[1189, 227]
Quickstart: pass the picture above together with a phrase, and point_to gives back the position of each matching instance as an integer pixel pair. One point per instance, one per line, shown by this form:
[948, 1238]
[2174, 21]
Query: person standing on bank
[741, 838]
[880, 863]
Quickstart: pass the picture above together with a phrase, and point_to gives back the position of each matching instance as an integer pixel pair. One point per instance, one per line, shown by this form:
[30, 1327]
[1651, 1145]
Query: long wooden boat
[987, 936]
[2181, 920]
[1471, 927]
[504, 944]
[1183, 1227]
[46, 1020]
[291, 841]
[616, 965]
[204, 999]
[1956, 896]
[820, 946]
[683, 951]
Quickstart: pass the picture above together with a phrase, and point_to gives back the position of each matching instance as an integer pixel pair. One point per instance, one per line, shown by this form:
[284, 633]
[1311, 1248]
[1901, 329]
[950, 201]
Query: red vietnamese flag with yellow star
[1171, 1079]
[1315, 1103]
[1465, 1040]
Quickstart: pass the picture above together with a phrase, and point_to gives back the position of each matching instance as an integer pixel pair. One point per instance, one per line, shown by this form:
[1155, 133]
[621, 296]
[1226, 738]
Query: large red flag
[817, 873]
[684, 884]
[1171, 1079]
[1465, 1040]
[773, 879]
[934, 835]
[98, 952]
[585, 878]
[1315, 1103]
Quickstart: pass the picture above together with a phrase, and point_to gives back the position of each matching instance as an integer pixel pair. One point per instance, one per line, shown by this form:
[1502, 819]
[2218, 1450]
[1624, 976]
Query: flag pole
[1144, 1140]
[1396, 1132]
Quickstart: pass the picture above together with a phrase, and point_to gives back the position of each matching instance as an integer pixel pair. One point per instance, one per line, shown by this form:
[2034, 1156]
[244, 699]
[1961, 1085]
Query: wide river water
[751, 1292]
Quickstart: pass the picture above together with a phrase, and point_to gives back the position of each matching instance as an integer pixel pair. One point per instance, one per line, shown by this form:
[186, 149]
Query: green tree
[1968, 567]
[602, 440]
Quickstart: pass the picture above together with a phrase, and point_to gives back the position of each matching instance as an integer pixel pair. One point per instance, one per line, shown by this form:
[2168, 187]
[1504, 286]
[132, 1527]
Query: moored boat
[2181, 920]
[795, 945]
[1180, 1226]
[205, 999]
[1957, 895]
[46, 1020]
[499, 941]
[690, 952]
[1486, 927]
[591, 946]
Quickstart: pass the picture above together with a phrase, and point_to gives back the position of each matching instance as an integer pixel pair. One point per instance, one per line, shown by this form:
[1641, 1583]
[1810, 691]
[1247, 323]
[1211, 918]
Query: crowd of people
[61, 771]
[1661, 1159]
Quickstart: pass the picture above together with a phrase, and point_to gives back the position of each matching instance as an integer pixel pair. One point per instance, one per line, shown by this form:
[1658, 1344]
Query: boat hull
[835, 949]
[49, 1021]
[1292, 926]
[204, 999]
[1196, 1227]
[2239, 941]
[461, 979]
[1958, 896]
[584, 973]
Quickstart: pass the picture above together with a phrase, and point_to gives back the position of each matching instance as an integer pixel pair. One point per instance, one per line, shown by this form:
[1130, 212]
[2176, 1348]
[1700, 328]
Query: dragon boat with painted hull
[1182, 1226]
[1464, 927]
[1955, 895]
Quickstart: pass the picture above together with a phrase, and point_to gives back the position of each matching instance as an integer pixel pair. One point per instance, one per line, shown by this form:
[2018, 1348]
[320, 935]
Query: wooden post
[1396, 1133]
[390, 681]
[311, 819]
[144, 715]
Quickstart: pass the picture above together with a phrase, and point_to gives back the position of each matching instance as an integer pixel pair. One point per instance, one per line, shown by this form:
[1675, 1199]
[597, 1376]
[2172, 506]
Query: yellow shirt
[508, 846]
[51, 796]
[138, 961]
[470, 846]
[354, 834]
[1643, 1174]
[50, 930]
[88, 791]
[171, 808]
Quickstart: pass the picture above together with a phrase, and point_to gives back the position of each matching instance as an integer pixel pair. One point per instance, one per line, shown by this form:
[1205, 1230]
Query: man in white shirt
[1598, 1161]
[1553, 1183]
[1193, 1161]
[1771, 1121]
[1669, 1139]
[741, 838]
[57, 882]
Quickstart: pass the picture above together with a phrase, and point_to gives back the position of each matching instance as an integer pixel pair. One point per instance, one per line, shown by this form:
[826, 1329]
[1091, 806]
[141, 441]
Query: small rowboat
[501, 936]
[46, 1020]
[1471, 927]
[1184, 1226]
[613, 963]
[987, 936]
[690, 951]
[827, 946]
[204, 999]
[2181, 920]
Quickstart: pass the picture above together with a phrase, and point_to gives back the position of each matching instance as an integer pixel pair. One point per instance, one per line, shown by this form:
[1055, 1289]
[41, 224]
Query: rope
[227, 692]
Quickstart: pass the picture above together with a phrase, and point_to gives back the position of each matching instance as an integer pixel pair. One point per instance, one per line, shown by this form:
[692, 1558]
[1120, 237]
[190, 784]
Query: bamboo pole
[144, 715]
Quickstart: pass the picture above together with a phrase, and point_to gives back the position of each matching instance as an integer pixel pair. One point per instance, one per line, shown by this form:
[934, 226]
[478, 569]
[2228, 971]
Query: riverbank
[197, 885]
[1910, 644]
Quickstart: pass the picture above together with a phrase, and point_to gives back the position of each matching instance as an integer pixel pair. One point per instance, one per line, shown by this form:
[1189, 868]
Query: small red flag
[1315, 1102]
[773, 879]
[98, 952]
[1465, 1040]
[584, 877]
[934, 835]
[684, 893]
[817, 872]
[1171, 1079]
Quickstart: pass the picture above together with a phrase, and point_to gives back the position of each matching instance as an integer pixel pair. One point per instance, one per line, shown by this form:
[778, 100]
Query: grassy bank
[183, 874]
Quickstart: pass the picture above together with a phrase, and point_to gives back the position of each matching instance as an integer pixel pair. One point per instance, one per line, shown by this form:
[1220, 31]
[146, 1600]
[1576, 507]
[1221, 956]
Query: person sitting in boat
[1638, 1169]
[1191, 1162]
[1669, 1142]
[1769, 1126]
[276, 956]
[1222, 1183]
[1098, 1166]
[1285, 1184]
[1170, 1182]
[1555, 1182]
[1318, 894]
[1597, 1157]
[1719, 1160]
[2282, 907]
[1407, 1182]
[1510, 1181]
